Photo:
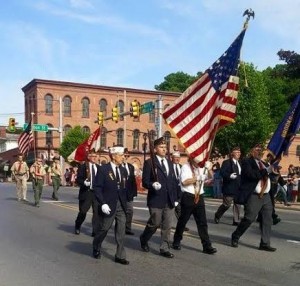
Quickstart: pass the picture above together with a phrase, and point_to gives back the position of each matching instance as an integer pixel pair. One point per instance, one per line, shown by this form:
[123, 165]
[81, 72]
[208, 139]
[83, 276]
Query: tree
[292, 59]
[73, 138]
[177, 82]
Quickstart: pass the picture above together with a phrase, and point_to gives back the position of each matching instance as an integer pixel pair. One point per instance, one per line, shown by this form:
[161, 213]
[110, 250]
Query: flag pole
[34, 141]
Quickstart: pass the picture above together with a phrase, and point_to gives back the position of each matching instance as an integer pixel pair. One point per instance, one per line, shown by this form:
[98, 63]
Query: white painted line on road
[53, 202]
[139, 208]
[294, 241]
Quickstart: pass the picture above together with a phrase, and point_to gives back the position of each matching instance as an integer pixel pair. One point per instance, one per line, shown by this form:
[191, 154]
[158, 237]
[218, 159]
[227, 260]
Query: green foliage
[292, 59]
[73, 138]
[177, 82]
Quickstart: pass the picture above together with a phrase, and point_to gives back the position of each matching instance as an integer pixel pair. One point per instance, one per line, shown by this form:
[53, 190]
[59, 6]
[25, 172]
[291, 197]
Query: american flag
[25, 140]
[207, 105]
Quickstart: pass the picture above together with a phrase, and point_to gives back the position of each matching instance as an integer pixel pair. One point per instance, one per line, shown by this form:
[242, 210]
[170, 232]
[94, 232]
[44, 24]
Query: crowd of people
[172, 188]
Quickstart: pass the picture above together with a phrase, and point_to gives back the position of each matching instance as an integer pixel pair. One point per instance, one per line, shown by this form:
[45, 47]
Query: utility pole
[158, 117]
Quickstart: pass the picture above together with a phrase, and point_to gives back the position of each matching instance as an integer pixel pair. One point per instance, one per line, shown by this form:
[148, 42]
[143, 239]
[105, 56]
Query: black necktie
[163, 166]
[117, 175]
[176, 171]
[93, 175]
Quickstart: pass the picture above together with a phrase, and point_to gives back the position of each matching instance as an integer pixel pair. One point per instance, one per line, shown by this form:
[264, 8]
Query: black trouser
[84, 206]
[188, 208]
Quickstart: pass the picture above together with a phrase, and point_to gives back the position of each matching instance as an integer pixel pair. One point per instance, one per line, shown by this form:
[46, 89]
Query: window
[49, 104]
[167, 137]
[152, 135]
[120, 104]
[67, 128]
[136, 139]
[49, 136]
[152, 116]
[103, 138]
[67, 105]
[120, 136]
[85, 107]
[103, 107]
[86, 129]
[298, 150]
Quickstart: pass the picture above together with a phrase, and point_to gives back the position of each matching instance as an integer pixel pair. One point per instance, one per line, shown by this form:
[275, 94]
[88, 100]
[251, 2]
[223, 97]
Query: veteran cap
[116, 150]
[176, 154]
[159, 141]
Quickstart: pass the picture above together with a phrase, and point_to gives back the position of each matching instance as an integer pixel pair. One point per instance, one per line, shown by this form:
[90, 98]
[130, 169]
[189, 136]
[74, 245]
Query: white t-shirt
[186, 173]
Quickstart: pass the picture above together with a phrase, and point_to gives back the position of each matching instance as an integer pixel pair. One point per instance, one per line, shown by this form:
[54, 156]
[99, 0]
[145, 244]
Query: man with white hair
[111, 194]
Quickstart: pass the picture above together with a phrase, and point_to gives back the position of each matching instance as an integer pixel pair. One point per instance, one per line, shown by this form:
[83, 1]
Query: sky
[132, 43]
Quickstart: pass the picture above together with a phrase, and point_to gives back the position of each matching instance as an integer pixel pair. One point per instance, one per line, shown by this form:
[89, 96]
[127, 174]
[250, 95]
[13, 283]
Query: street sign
[38, 127]
[147, 107]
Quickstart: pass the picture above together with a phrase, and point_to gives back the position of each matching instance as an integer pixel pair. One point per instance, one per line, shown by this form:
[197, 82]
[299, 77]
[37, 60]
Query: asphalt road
[38, 247]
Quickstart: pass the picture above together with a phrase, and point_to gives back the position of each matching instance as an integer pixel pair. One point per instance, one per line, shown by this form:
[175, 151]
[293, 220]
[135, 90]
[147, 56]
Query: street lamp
[145, 145]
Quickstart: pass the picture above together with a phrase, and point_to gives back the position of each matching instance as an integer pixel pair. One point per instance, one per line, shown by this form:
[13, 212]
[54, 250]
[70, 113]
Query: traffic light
[135, 109]
[100, 118]
[12, 125]
[115, 114]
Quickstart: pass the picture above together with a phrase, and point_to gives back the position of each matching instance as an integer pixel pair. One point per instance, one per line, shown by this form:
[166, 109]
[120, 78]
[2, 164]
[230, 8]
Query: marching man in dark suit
[161, 199]
[85, 180]
[231, 174]
[111, 194]
[131, 191]
[254, 194]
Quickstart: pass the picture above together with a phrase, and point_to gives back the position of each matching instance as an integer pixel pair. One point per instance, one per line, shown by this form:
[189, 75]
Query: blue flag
[286, 131]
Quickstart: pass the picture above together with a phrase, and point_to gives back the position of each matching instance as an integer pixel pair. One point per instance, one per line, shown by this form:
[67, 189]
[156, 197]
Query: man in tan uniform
[55, 177]
[20, 172]
[38, 172]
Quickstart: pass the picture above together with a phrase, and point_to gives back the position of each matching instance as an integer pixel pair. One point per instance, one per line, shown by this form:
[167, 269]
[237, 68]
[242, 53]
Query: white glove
[176, 204]
[208, 165]
[105, 209]
[87, 183]
[156, 186]
[233, 176]
[201, 177]
[269, 169]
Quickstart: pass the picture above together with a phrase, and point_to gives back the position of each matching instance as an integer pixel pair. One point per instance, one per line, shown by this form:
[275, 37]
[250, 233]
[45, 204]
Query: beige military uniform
[20, 172]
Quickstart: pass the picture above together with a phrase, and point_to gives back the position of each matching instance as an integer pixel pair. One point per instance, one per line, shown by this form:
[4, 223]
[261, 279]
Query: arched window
[152, 135]
[136, 139]
[67, 106]
[103, 106]
[120, 136]
[120, 104]
[48, 104]
[86, 129]
[49, 136]
[67, 128]
[152, 116]
[167, 137]
[103, 138]
[85, 107]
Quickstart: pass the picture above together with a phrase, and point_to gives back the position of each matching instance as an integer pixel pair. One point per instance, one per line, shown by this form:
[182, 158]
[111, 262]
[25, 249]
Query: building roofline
[84, 85]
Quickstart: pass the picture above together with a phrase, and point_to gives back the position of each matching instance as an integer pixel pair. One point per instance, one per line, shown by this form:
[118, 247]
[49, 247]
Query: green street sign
[38, 127]
[147, 107]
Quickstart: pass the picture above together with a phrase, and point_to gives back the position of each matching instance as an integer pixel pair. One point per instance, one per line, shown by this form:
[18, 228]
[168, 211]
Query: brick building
[67, 104]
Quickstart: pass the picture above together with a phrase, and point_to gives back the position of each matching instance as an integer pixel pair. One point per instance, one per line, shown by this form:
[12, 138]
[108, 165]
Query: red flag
[207, 105]
[25, 140]
[93, 142]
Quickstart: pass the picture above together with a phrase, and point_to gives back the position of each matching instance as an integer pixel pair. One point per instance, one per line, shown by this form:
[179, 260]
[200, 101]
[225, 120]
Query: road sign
[38, 127]
[147, 107]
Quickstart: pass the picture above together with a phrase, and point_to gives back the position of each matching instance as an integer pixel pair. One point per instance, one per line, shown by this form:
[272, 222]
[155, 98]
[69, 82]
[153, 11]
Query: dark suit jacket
[106, 188]
[131, 183]
[251, 175]
[168, 192]
[81, 177]
[230, 186]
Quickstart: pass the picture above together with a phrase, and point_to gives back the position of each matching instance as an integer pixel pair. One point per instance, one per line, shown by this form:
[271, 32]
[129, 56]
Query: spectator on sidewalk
[217, 181]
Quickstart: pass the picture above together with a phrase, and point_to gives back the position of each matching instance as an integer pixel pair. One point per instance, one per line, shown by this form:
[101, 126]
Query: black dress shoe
[276, 220]
[267, 248]
[216, 220]
[93, 234]
[176, 246]
[235, 223]
[121, 261]
[186, 229]
[209, 250]
[166, 254]
[144, 246]
[129, 232]
[96, 254]
[77, 231]
[234, 242]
